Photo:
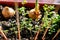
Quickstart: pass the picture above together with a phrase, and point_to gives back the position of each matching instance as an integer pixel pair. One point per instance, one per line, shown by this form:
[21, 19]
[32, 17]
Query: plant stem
[36, 7]
[17, 19]
[43, 38]
[49, 24]
[36, 10]
[56, 34]
[1, 31]
[35, 38]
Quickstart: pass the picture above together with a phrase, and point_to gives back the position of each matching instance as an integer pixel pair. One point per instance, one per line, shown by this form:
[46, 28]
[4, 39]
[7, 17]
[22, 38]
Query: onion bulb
[32, 14]
[35, 13]
[8, 12]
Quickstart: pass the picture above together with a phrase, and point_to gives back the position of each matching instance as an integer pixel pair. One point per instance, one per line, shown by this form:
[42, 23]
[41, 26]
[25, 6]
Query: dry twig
[17, 19]
[1, 31]
[43, 38]
[56, 34]
[35, 38]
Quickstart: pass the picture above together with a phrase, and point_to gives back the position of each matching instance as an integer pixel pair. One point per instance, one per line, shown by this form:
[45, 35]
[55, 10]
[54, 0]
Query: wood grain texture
[30, 1]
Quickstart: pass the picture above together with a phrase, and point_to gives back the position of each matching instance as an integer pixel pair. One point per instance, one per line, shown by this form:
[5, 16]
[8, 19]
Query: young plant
[26, 22]
[38, 16]
[48, 19]
[22, 11]
[35, 13]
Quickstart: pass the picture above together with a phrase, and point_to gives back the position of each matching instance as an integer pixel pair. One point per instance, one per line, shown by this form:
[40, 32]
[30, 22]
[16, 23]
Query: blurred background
[32, 1]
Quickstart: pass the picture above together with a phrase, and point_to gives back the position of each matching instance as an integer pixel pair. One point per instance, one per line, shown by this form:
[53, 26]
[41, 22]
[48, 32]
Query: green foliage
[50, 20]
[50, 16]
[26, 22]
[22, 11]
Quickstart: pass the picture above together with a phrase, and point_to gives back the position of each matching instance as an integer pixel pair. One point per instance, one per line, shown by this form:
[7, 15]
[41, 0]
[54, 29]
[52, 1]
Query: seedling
[35, 13]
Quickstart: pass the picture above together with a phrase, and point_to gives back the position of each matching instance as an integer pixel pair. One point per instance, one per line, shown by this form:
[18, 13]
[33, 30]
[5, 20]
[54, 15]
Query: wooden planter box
[30, 3]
